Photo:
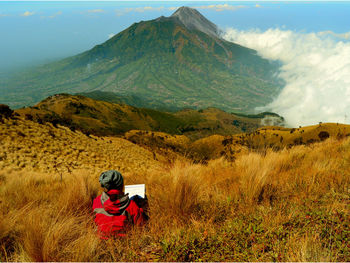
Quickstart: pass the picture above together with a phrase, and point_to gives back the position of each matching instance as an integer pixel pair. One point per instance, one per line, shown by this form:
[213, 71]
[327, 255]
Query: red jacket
[115, 213]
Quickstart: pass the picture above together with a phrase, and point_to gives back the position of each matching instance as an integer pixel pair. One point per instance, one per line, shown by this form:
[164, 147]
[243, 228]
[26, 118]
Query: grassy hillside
[173, 147]
[99, 117]
[205, 122]
[233, 146]
[289, 205]
[44, 148]
[200, 135]
[278, 138]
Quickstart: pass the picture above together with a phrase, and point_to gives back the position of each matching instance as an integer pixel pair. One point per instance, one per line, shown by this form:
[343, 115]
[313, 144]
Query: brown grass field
[290, 204]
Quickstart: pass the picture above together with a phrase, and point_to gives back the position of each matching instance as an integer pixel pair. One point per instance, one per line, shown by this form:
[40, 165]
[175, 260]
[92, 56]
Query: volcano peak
[193, 19]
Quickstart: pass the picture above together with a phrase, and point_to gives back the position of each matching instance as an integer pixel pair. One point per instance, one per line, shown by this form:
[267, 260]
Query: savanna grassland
[286, 203]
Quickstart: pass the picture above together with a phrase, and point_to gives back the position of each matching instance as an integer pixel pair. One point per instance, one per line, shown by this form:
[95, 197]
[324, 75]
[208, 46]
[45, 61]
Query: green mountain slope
[161, 61]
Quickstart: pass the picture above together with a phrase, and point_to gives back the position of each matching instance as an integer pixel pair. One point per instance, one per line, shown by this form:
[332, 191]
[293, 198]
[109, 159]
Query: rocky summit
[192, 19]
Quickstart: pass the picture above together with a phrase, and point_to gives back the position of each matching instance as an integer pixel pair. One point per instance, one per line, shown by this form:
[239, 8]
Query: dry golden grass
[281, 137]
[291, 205]
[276, 138]
[165, 147]
[94, 116]
[34, 147]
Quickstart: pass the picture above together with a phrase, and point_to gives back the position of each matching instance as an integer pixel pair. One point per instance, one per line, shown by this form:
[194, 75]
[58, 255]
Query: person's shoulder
[97, 202]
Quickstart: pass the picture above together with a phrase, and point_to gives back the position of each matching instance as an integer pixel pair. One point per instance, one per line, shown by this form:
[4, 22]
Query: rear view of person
[115, 212]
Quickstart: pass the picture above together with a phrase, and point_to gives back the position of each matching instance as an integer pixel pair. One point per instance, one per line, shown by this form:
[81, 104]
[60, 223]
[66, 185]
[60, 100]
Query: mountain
[178, 61]
[106, 118]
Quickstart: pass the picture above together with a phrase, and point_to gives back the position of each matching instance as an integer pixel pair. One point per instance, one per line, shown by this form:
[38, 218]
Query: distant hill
[174, 62]
[231, 147]
[202, 123]
[99, 117]
[264, 139]
[105, 118]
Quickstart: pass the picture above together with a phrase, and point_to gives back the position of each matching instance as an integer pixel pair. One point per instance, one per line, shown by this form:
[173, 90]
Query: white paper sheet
[135, 189]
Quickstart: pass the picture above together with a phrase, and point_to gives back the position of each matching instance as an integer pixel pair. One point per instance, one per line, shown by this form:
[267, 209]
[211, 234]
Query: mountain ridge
[105, 118]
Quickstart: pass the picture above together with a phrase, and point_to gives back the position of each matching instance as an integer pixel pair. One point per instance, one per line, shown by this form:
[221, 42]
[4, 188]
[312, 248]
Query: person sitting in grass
[115, 212]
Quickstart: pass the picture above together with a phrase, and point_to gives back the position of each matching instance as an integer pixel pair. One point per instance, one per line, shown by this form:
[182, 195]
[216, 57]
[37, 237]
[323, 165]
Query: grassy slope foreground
[287, 205]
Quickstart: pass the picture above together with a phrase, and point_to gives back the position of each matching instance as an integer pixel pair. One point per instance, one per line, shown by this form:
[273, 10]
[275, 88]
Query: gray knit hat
[111, 179]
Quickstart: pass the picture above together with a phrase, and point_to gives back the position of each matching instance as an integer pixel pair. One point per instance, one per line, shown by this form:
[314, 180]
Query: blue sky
[37, 32]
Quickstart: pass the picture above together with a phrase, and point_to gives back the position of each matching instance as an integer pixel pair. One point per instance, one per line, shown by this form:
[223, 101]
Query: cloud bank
[27, 13]
[143, 9]
[316, 69]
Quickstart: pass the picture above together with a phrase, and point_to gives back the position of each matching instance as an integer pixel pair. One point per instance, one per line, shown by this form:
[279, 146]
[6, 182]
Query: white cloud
[96, 11]
[315, 67]
[221, 7]
[27, 13]
[150, 8]
[57, 14]
[119, 12]
[53, 16]
[331, 33]
[143, 9]
[111, 35]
